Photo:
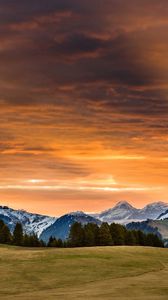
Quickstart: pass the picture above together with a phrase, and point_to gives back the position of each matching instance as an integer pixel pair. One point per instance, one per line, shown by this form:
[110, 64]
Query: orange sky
[83, 104]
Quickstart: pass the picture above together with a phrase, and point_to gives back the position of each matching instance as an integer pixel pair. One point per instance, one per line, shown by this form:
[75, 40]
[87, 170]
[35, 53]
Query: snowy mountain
[61, 227]
[31, 222]
[121, 212]
[163, 216]
[125, 213]
[153, 210]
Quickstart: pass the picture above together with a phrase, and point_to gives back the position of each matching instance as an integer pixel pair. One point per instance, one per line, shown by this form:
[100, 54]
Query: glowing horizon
[83, 104]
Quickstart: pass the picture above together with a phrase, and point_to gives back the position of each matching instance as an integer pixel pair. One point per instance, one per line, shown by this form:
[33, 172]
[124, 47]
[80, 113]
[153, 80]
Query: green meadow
[122, 273]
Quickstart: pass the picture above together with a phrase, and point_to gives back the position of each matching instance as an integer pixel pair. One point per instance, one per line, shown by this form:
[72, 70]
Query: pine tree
[50, 242]
[5, 235]
[1, 223]
[118, 233]
[26, 241]
[18, 235]
[105, 238]
[157, 242]
[91, 234]
[153, 240]
[59, 243]
[42, 243]
[34, 241]
[130, 238]
[76, 236]
[141, 238]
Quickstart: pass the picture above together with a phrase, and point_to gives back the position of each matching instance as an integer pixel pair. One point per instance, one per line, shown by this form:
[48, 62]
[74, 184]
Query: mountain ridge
[123, 212]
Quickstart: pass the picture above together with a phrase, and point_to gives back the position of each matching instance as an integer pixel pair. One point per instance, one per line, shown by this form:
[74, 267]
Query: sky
[83, 104]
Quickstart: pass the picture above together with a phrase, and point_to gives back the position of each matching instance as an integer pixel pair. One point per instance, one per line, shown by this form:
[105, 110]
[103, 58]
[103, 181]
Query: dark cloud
[80, 58]
[89, 64]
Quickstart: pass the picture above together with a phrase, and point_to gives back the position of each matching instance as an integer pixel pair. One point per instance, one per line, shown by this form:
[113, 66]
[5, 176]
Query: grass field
[88, 273]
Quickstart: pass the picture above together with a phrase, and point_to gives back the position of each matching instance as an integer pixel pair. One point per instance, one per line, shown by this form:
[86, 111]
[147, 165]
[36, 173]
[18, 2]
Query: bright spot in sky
[36, 181]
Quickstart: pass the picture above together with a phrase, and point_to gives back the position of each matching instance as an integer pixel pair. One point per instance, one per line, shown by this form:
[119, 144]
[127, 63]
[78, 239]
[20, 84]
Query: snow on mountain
[121, 212]
[31, 222]
[124, 213]
[163, 216]
[61, 227]
[153, 210]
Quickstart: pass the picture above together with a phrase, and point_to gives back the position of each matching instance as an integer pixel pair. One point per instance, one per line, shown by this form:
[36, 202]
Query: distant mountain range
[122, 212]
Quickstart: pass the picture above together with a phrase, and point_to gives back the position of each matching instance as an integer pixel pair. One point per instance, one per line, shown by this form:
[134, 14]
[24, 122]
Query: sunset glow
[83, 104]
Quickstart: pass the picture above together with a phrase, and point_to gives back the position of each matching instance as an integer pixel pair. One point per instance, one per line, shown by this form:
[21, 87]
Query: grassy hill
[87, 273]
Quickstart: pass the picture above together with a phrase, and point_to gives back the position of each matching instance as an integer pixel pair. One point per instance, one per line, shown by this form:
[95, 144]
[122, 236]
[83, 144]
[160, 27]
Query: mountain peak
[121, 211]
[123, 204]
[77, 213]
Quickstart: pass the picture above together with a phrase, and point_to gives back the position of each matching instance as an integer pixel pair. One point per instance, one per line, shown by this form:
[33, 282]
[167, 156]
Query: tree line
[110, 235]
[18, 237]
[88, 235]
